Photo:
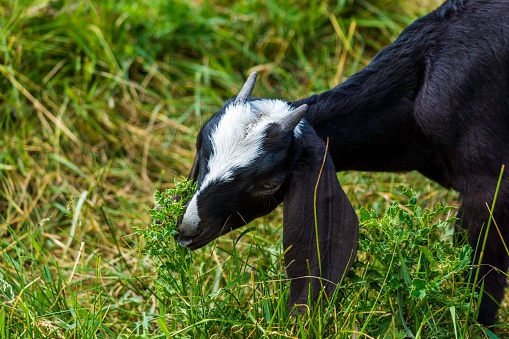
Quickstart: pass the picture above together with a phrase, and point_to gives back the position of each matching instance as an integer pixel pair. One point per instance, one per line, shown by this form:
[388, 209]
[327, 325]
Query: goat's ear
[320, 230]
[193, 174]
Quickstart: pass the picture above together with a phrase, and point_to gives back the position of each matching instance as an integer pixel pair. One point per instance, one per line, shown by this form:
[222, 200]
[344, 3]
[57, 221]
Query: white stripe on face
[191, 219]
[236, 142]
[238, 137]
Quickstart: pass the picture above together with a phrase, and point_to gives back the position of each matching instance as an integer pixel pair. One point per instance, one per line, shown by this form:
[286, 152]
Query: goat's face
[242, 160]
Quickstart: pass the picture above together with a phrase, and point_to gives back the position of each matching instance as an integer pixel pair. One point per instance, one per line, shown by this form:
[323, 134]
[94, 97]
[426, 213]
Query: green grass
[100, 103]
[407, 281]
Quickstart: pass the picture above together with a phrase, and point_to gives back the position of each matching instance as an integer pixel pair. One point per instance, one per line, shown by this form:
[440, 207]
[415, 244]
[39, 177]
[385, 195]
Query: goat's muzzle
[188, 231]
[187, 228]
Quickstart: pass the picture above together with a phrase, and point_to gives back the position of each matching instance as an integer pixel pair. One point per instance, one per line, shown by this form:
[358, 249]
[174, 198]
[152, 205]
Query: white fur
[236, 142]
[191, 218]
[297, 131]
[237, 139]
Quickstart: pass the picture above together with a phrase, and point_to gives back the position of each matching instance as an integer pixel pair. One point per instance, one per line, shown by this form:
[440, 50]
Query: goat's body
[435, 101]
[441, 88]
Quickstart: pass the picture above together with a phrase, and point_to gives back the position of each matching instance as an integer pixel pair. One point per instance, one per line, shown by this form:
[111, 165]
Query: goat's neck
[369, 118]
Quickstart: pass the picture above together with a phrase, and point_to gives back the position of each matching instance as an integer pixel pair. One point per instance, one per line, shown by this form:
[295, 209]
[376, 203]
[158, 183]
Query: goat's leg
[493, 259]
[492, 273]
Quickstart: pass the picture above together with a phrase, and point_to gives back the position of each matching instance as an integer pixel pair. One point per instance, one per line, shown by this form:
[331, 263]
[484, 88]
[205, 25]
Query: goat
[436, 100]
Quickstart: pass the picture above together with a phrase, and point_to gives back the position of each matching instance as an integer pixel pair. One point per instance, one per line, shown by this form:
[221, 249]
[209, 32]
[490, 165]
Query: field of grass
[100, 102]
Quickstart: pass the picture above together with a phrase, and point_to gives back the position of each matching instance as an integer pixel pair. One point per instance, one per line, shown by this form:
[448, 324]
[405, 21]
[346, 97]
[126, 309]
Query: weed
[407, 282]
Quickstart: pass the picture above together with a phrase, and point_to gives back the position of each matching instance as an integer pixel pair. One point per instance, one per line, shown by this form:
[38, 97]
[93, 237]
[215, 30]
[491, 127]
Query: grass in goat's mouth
[169, 208]
[172, 260]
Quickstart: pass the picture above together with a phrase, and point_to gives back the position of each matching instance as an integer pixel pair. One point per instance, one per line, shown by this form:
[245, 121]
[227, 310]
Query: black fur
[292, 166]
[336, 227]
[435, 101]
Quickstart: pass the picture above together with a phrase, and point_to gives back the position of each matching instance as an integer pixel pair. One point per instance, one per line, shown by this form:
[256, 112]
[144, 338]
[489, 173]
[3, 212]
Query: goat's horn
[247, 89]
[289, 122]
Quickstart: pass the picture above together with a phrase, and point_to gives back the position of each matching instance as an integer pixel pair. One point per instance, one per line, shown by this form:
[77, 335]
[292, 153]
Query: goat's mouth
[183, 240]
[209, 232]
[199, 240]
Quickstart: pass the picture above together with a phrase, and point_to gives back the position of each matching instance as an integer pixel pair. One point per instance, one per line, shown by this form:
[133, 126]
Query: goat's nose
[188, 223]
[187, 229]
[184, 228]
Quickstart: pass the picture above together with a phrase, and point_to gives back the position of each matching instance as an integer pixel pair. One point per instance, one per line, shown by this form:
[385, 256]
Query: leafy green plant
[172, 261]
[412, 271]
[407, 281]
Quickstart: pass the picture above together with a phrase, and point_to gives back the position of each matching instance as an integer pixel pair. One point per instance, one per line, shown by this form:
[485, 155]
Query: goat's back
[441, 88]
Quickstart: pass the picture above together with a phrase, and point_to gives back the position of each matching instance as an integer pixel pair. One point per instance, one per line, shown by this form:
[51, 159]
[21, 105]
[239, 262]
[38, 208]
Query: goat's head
[254, 154]
[242, 161]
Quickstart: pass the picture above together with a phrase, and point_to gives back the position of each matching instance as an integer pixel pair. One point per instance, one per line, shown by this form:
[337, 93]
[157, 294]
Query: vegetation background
[100, 103]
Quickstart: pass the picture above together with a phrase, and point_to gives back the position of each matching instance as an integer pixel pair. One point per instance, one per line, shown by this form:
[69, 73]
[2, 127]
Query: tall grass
[100, 102]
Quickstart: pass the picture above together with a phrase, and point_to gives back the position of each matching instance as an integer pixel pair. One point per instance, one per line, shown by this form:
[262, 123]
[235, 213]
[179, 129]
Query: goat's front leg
[493, 258]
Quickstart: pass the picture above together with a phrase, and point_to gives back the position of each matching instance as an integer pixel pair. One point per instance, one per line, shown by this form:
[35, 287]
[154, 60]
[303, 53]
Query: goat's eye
[268, 188]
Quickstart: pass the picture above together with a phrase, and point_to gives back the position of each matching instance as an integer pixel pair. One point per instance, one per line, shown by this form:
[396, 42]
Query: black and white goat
[435, 101]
